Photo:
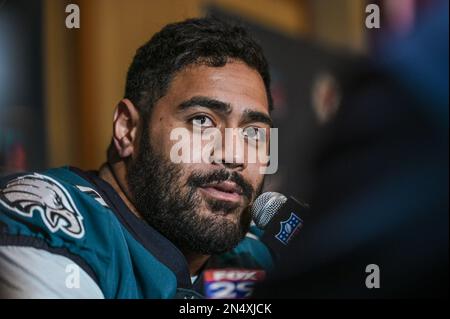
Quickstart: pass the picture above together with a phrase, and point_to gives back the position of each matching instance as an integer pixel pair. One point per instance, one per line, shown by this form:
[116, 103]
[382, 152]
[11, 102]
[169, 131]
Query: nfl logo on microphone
[288, 228]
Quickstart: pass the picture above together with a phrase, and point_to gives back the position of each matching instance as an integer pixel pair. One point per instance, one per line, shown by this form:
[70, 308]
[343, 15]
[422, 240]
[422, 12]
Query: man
[144, 226]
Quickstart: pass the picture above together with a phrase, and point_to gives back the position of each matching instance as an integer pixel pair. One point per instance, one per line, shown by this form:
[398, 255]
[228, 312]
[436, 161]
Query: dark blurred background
[59, 86]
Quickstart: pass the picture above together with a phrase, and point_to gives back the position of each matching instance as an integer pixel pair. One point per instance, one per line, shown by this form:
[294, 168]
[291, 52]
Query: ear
[125, 126]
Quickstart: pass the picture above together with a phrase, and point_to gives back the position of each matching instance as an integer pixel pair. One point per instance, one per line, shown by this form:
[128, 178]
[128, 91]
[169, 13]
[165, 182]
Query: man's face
[201, 207]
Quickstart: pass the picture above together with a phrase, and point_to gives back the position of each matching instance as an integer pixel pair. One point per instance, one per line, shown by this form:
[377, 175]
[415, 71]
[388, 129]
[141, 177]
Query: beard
[174, 208]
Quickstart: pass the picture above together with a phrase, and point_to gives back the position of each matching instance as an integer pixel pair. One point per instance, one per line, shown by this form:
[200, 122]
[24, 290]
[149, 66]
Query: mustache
[198, 179]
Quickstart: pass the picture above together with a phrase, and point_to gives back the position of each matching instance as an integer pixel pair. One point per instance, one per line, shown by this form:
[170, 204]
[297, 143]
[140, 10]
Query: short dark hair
[209, 41]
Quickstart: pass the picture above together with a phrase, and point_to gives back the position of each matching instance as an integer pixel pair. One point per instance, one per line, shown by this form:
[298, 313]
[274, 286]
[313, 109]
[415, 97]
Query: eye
[254, 133]
[202, 120]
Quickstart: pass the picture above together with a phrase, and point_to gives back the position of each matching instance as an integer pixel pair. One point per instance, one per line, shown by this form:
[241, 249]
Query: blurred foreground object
[381, 193]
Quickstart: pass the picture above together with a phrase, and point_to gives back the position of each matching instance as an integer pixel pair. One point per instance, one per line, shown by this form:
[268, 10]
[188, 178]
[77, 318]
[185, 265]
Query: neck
[117, 179]
[115, 175]
[195, 261]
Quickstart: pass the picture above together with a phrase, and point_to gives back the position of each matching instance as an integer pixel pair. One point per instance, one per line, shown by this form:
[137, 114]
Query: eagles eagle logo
[36, 193]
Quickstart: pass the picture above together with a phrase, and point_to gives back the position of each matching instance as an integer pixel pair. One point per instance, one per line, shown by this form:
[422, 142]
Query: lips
[227, 191]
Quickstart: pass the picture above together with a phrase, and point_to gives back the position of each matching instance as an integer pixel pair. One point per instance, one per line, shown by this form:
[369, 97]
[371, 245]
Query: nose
[233, 166]
[232, 151]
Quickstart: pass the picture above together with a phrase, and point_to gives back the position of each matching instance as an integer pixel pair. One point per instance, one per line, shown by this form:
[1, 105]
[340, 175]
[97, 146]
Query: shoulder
[61, 213]
[56, 202]
[37, 198]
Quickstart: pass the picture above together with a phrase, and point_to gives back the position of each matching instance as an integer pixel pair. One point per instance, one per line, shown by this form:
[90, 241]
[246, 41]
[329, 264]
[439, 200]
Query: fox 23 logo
[231, 283]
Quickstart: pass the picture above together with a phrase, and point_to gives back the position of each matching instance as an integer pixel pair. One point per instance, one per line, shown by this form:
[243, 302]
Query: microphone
[281, 218]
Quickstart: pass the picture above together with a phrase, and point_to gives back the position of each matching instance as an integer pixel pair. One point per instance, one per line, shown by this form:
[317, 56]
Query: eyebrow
[225, 108]
[207, 102]
[255, 116]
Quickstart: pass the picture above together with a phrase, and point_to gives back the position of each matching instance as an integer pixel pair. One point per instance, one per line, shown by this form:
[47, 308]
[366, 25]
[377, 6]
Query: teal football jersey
[76, 214]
